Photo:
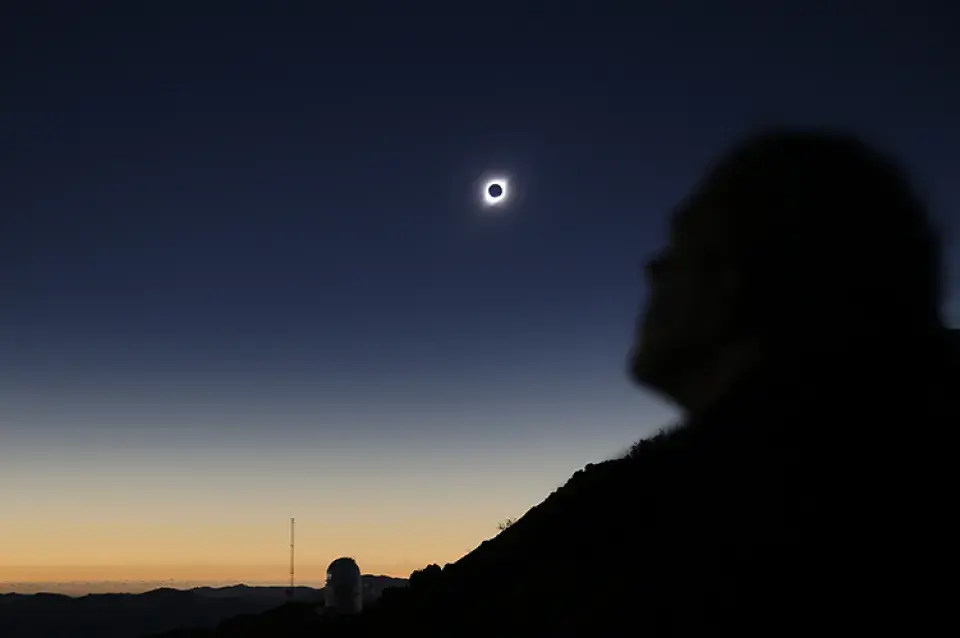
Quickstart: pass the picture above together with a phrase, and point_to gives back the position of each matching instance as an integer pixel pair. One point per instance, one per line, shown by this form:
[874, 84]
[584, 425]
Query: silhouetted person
[796, 246]
[795, 317]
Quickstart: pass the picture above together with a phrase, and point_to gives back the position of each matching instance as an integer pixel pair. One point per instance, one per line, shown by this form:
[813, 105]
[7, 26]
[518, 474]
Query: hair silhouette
[821, 217]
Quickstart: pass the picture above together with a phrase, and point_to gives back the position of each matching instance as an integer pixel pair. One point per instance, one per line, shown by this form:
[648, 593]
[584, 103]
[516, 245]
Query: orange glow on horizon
[306, 574]
[105, 520]
[225, 553]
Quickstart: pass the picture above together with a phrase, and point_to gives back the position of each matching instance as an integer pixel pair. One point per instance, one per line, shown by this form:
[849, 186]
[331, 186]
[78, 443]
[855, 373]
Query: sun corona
[494, 191]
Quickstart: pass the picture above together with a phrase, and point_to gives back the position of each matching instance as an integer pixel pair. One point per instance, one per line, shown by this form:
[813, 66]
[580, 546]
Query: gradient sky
[245, 277]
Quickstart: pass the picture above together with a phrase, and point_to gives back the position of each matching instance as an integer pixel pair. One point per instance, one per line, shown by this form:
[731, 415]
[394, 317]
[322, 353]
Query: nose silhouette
[654, 266]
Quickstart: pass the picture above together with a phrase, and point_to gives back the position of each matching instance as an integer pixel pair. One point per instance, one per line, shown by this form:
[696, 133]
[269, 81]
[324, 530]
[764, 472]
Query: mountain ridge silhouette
[128, 615]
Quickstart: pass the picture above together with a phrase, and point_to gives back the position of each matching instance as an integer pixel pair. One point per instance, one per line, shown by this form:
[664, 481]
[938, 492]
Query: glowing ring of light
[491, 201]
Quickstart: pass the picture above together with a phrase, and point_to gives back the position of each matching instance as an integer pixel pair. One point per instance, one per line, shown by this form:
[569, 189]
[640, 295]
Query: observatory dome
[343, 593]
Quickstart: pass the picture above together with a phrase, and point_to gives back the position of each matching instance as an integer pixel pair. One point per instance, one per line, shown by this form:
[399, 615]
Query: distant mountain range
[44, 615]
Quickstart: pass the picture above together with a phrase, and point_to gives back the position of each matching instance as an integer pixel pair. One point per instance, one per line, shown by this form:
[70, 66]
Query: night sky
[246, 276]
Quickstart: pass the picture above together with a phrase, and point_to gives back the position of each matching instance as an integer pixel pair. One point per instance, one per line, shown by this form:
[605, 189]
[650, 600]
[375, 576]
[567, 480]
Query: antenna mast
[290, 591]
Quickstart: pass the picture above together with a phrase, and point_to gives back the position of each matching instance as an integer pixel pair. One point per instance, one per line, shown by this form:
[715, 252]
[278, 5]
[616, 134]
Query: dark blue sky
[254, 236]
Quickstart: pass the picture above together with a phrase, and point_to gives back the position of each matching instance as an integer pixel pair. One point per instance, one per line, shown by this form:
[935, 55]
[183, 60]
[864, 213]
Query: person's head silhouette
[794, 242]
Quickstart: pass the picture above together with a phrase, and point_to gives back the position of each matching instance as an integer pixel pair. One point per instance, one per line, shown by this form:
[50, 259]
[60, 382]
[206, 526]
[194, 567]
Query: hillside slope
[765, 514]
[800, 505]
